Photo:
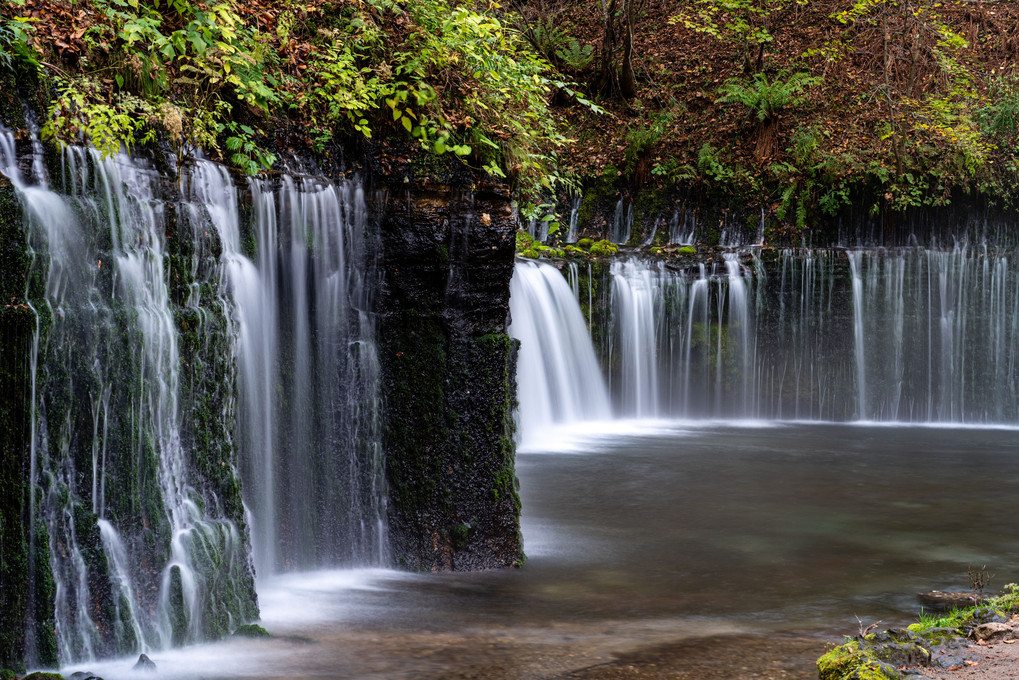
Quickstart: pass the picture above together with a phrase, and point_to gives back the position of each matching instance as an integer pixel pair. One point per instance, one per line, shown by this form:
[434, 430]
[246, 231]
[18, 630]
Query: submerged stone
[145, 664]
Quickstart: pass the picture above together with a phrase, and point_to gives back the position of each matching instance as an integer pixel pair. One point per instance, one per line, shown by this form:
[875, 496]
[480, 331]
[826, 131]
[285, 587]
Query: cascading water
[122, 550]
[558, 378]
[571, 233]
[314, 459]
[152, 309]
[936, 335]
[636, 298]
[911, 334]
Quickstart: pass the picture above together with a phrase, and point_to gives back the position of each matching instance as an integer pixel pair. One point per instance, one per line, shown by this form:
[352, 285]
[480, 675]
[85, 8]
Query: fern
[574, 55]
[766, 98]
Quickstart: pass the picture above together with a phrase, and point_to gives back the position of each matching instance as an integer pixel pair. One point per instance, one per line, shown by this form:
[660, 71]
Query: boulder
[993, 631]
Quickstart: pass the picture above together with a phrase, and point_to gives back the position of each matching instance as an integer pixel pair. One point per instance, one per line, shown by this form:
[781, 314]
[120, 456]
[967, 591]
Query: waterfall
[636, 298]
[919, 334]
[558, 378]
[313, 455]
[936, 336]
[571, 233]
[622, 222]
[107, 384]
[155, 301]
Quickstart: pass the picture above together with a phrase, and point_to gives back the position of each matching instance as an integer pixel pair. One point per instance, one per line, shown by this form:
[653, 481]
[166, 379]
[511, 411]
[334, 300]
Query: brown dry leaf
[1010, 642]
[971, 663]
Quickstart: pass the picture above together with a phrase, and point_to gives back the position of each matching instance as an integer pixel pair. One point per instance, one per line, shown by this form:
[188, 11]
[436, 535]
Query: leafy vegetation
[805, 108]
[800, 108]
[453, 77]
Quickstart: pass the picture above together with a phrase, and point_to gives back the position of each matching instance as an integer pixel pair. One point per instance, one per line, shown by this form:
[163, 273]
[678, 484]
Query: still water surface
[642, 534]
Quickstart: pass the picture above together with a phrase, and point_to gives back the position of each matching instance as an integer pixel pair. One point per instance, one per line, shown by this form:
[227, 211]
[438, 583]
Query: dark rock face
[448, 370]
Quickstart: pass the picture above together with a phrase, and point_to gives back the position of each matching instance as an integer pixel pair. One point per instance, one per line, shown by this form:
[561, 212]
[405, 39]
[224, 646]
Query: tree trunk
[605, 80]
[627, 81]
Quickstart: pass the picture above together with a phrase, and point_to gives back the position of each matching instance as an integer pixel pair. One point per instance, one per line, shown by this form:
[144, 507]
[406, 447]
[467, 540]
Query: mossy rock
[981, 615]
[838, 663]
[531, 254]
[688, 250]
[899, 647]
[875, 670]
[524, 241]
[7, 674]
[585, 243]
[875, 657]
[43, 675]
[603, 248]
[252, 630]
[940, 635]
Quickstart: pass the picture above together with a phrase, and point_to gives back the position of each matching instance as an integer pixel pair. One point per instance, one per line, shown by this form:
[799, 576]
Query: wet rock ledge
[448, 371]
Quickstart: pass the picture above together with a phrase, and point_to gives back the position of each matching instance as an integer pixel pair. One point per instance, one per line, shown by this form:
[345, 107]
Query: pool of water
[645, 535]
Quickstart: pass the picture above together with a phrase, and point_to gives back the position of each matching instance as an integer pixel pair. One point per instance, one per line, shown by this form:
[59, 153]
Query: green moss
[585, 243]
[531, 254]
[252, 630]
[688, 250]
[875, 670]
[604, 248]
[850, 662]
[839, 662]
[12, 114]
[647, 206]
[41, 675]
[524, 241]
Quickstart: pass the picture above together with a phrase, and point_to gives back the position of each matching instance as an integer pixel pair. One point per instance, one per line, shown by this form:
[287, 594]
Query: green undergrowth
[231, 77]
